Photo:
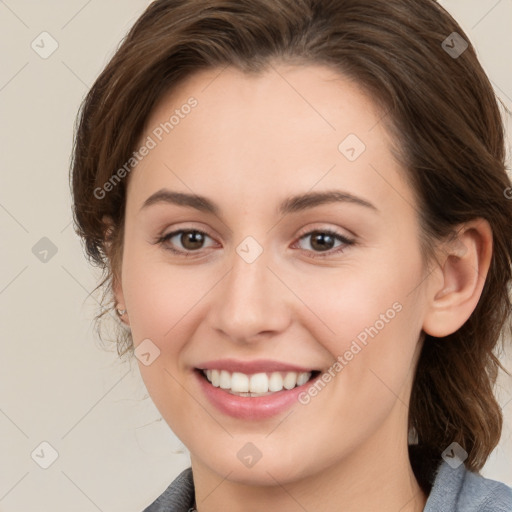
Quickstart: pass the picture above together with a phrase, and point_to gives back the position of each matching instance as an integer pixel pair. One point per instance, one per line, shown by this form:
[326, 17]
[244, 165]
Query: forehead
[224, 132]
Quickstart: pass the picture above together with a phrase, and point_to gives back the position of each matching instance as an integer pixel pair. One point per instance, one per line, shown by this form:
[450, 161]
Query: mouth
[256, 384]
[253, 390]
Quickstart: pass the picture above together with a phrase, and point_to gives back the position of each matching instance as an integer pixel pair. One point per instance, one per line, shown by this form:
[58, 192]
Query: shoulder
[459, 490]
[178, 497]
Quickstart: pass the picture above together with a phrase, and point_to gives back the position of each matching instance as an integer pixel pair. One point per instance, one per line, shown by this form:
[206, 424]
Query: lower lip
[251, 408]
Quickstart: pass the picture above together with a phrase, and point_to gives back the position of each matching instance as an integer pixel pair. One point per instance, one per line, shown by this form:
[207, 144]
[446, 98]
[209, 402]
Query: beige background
[57, 385]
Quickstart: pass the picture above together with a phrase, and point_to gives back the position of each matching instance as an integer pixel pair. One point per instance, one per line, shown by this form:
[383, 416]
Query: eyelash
[345, 241]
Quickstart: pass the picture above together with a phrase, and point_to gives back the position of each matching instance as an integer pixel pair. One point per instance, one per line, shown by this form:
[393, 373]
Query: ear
[115, 266]
[465, 262]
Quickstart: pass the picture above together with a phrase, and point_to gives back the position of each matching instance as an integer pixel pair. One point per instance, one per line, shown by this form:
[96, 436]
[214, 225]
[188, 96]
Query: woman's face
[275, 281]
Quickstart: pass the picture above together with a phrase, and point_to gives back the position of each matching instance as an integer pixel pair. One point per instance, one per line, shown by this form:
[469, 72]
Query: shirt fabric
[448, 489]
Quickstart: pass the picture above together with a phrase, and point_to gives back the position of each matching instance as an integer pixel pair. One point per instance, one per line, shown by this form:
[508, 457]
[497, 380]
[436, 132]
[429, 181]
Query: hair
[439, 108]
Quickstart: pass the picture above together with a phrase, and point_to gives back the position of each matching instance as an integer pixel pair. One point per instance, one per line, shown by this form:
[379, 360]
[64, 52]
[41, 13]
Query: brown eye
[187, 240]
[191, 240]
[323, 241]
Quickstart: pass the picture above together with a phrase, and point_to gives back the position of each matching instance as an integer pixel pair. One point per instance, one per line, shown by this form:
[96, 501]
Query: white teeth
[290, 381]
[239, 382]
[225, 380]
[256, 384]
[215, 378]
[303, 378]
[275, 383]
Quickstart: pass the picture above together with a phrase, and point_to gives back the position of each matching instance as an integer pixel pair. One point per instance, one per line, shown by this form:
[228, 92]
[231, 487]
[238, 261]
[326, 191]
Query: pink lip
[250, 367]
[251, 408]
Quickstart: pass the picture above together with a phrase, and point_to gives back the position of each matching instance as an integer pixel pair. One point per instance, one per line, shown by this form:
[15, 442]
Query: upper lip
[256, 366]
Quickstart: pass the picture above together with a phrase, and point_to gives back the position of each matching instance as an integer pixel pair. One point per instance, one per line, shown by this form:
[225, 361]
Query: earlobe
[465, 263]
[120, 306]
[117, 289]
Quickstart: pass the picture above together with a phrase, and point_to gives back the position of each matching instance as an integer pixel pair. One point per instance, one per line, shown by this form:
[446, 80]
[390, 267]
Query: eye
[323, 240]
[191, 240]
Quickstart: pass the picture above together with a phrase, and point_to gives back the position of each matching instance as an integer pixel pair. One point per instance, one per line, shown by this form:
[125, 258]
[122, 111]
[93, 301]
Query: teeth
[275, 383]
[290, 381]
[302, 378]
[256, 384]
[215, 378]
[239, 382]
[225, 380]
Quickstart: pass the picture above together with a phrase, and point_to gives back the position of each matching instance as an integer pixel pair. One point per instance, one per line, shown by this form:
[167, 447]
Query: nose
[251, 302]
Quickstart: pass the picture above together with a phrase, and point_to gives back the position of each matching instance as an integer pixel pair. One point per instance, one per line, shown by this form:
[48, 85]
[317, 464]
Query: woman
[301, 208]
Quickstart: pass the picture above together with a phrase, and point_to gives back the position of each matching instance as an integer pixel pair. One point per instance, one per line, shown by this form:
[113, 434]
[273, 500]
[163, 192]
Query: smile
[257, 384]
[254, 390]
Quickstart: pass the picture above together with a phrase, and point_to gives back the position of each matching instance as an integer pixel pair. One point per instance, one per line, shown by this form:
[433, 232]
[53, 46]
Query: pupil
[193, 239]
[322, 245]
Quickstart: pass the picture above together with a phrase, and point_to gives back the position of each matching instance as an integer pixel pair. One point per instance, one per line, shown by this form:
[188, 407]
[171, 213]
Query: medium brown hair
[440, 109]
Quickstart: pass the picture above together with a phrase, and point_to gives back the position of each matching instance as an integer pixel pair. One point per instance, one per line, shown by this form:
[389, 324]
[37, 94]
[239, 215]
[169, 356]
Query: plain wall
[57, 384]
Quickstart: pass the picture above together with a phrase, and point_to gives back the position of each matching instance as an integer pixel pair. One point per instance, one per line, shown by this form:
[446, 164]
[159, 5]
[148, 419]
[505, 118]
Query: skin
[251, 142]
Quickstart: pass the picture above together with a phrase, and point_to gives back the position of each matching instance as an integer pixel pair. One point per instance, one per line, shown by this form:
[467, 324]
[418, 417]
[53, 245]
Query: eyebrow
[292, 204]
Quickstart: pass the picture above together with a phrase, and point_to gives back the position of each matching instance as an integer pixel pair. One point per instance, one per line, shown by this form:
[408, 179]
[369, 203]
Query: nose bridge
[251, 300]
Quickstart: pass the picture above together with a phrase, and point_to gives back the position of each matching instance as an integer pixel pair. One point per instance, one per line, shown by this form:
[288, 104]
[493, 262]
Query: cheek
[161, 299]
[375, 313]
[159, 295]
[371, 319]
[363, 302]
